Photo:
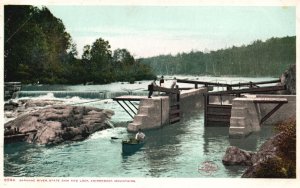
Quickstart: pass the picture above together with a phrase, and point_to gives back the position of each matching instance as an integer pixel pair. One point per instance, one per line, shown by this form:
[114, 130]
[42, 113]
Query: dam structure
[243, 107]
[160, 110]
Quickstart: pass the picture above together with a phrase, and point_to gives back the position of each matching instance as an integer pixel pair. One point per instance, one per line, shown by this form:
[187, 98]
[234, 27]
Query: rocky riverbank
[276, 158]
[51, 122]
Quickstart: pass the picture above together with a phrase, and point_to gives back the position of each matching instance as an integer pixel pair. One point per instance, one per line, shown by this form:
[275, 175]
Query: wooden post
[221, 99]
[178, 93]
[206, 102]
[161, 112]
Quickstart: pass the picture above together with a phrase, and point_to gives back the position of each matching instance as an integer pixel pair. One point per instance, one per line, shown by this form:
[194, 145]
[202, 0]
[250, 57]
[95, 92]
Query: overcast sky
[153, 30]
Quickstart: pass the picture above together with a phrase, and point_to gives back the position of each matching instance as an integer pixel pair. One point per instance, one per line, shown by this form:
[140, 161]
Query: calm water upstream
[178, 150]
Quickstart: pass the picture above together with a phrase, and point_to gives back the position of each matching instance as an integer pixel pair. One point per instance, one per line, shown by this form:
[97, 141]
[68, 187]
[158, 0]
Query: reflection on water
[215, 138]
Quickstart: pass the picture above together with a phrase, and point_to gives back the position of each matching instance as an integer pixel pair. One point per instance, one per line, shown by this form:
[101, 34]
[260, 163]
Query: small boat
[130, 146]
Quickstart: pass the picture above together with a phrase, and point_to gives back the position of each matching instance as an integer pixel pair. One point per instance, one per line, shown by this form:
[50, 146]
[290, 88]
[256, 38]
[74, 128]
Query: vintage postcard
[145, 93]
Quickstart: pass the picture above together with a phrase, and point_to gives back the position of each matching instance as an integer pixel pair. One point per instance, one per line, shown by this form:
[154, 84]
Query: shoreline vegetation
[38, 50]
[260, 58]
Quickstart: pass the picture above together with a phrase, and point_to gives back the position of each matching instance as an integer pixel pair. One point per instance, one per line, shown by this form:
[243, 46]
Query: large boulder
[60, 123]
[236, 156]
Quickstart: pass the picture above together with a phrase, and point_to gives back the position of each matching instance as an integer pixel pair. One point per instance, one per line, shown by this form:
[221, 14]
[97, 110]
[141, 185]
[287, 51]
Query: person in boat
[140, 136]
[150, 87]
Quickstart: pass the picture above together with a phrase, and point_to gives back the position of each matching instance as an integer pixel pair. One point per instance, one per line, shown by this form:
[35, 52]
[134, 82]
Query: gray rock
[11, 105]
[57, 124]
[21, 107]
[268, 167]
[236, 156]
[41, 103]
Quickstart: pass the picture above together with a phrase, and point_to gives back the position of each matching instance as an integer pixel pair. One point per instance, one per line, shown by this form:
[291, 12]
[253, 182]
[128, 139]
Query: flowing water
[184, 149]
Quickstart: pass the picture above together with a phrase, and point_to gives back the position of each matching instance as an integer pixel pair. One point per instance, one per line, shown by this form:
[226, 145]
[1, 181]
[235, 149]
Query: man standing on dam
[150, 87]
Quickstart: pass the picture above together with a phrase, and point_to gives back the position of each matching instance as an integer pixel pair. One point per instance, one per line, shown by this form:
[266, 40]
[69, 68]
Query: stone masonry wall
[154, 112]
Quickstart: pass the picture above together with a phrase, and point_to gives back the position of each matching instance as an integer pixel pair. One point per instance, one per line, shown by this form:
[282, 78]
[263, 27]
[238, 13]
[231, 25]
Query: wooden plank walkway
[163, 89]
[129, 98]
[269, 100]
[249, 90]
[228, 86]
[196, 83]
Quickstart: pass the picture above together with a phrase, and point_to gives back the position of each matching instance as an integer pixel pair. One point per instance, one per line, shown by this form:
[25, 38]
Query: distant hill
[261, 58]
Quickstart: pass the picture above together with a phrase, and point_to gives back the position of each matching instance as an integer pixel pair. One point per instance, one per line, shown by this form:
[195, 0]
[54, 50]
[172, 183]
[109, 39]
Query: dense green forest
[268, 58]
[37, 49]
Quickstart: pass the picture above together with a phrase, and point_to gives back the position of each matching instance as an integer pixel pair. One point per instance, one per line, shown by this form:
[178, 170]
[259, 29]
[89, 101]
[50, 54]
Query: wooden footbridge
[218, 112]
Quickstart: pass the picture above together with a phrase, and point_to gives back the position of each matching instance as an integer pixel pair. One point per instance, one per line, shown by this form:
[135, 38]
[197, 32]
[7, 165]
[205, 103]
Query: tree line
[268, 58]
[37, 49]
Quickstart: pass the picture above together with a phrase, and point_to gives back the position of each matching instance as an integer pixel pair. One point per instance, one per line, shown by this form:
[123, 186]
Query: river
[177, 150]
